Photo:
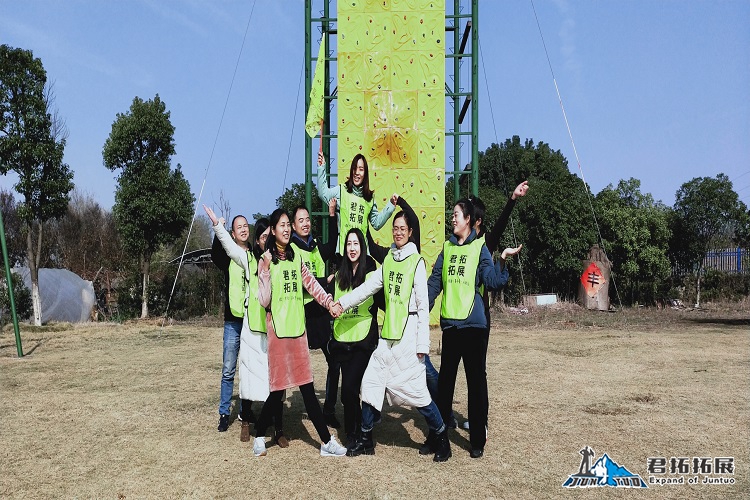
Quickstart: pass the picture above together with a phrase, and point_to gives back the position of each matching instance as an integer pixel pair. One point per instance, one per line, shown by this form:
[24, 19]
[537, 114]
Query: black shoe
[476, 453]
[428, 448]
[363, 446]
[223, 423]
[351, 441]
[442, 447]
[451, 423]
[331, 420]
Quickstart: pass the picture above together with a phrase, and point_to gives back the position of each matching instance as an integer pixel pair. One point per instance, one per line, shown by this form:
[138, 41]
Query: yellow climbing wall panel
[391, 107]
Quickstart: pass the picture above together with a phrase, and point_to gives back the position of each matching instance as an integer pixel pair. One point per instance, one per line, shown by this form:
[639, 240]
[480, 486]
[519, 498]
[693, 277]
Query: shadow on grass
[26, 352]
[721, 321]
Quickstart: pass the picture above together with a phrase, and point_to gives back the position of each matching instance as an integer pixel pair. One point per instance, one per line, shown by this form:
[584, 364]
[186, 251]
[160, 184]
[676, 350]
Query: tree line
[135, 244]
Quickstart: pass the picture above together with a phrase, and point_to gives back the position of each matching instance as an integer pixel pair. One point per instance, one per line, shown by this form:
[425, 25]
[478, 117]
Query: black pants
[332, 382]
[312, 406]
[352, 371]
[318, 332]
[469, 344]
[246, 412]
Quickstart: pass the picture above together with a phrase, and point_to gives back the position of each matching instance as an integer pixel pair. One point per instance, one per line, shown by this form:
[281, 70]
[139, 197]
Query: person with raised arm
[491, 240]
[396, 368]
[462, 267]
[253, 350]
[282, 278]
[356, 201]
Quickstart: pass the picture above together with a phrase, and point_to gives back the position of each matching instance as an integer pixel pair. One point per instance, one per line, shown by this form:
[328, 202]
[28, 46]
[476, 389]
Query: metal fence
[728, 260]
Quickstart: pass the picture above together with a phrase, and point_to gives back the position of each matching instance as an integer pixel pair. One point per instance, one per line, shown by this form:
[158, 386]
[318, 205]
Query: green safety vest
[354, 324]
[398, 281]
[237, 289]
[481, 287]
[460, 263]
[354, 212]
[314, 263]
[287, 306]
[256, 313]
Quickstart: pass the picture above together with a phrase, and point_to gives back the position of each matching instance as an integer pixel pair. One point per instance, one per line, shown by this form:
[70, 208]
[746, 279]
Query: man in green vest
[317, 320]
[234, 310]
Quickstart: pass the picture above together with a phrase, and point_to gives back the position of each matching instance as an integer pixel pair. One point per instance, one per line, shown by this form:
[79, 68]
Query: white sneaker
[332, 449]
[466, 425]
[259, 447]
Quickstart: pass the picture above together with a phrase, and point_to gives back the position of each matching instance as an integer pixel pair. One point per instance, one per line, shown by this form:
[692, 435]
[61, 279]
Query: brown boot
[281, 439]
[245, 432]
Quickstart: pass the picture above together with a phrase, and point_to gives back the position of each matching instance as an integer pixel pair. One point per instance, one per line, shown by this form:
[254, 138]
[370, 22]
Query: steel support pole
[9, 279]
[475, 97]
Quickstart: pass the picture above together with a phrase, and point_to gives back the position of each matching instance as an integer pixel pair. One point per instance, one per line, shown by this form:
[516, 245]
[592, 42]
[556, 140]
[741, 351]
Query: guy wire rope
[208, 166]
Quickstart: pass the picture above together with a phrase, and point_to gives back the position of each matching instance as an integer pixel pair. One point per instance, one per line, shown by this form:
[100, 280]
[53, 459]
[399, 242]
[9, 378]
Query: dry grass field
[129, 411]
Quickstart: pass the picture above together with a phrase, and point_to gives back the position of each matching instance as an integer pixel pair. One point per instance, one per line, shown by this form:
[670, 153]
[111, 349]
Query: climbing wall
[391, 106]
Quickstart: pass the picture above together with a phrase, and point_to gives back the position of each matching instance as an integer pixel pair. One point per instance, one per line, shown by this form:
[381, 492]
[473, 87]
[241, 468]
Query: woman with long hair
[282, 278]
[356, 201]
[355, 332]
[462, 268]
[397, 365]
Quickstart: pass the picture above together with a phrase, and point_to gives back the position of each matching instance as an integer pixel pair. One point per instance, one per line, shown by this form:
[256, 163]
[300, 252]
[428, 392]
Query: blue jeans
[432, 380]
[429, 412]
[232, 331]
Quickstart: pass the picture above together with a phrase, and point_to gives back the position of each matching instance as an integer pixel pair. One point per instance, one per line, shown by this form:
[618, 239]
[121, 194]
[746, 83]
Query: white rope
[575, 150]
[208, 166]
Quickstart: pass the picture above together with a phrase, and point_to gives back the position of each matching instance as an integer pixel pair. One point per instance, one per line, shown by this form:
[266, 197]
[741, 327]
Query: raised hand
[267, 257]
[520, 190]
[394, 199]
[212, 215]
[509, 252]
[332, 206]
[321, 159]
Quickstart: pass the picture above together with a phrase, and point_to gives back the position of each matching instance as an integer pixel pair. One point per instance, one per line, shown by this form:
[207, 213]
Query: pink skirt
[288, 360]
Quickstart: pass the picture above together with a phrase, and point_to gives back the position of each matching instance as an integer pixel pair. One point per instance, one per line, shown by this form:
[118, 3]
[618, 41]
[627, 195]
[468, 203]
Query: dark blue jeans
[232, 330]
[430, 413]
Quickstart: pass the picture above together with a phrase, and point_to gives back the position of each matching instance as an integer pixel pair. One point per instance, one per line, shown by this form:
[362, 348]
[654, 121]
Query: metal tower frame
[326, 26]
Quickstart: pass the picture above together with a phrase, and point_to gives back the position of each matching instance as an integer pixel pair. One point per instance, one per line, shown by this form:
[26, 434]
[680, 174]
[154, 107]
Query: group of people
[280, 303]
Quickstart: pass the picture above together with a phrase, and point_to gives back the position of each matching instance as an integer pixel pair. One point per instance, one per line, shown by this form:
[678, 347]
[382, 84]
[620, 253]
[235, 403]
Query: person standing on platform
[356, 200]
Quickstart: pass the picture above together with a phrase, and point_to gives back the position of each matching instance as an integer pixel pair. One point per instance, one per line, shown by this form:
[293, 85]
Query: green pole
[456, 106]
[308, 83]
[475, 97]
[9, 279]
[326, 110]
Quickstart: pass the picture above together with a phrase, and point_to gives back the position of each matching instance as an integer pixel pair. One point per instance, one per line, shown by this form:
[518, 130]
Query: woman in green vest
[397, 368]
[461, 269]
[282, 278]
[355, 200]
[355, 332]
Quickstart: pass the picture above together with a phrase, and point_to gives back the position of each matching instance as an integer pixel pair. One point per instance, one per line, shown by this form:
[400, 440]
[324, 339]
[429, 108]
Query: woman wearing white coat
[253, 356]
[397, 368]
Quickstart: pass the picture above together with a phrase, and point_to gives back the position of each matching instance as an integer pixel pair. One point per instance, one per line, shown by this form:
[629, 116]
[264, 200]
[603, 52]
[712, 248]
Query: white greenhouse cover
[65, 296]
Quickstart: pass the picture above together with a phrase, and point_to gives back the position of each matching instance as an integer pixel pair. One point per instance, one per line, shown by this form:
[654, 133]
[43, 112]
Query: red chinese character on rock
[592, 280]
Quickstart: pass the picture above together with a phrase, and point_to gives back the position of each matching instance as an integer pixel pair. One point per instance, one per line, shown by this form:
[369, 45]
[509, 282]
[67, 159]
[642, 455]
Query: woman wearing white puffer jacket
[397, 368]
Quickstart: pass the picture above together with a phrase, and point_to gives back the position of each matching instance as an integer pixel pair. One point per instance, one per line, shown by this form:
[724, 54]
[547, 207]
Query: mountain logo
[604, 472]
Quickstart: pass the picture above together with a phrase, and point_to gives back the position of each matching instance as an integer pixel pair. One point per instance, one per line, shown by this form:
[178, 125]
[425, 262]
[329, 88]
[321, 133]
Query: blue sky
[656, 90]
